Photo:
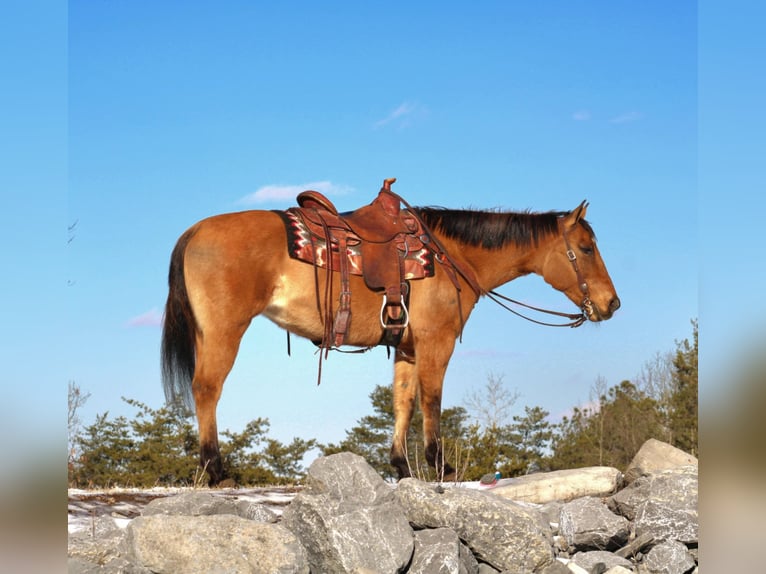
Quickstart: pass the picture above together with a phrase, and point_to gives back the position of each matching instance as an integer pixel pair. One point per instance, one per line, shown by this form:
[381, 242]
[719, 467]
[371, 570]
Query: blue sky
[177, 111]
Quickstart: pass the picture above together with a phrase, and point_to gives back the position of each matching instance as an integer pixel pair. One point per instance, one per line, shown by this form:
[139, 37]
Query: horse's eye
[586, 249]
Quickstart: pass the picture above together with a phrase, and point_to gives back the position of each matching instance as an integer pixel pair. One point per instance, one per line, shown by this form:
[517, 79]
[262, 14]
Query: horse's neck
[495, 267]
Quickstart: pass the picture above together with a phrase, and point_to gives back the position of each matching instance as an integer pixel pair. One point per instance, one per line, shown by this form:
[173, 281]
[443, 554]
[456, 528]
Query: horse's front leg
[431, 368]
[405, 390]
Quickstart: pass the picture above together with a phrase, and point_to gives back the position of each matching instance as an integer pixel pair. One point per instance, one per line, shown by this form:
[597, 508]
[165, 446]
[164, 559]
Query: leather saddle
[382, 235]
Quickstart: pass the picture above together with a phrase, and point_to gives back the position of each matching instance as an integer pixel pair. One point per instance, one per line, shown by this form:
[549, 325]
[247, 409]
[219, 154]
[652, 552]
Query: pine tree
[165, 448]
[684, 398]
[609, 434]
[106, 448]
[371, 437]
[535, 434]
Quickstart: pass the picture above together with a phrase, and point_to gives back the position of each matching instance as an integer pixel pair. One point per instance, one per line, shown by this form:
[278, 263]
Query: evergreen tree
[286, 461]
[535, 435]
[685, 398]
[608, 435]
[372, 436]
[106, 448]
[240, 458]
[165, 447]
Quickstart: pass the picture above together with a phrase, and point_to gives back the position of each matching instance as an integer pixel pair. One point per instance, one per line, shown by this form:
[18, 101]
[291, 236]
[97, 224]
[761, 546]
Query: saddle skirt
[307, 241]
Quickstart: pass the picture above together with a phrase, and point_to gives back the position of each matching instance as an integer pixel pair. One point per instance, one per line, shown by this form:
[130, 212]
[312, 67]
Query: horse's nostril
[614, 305]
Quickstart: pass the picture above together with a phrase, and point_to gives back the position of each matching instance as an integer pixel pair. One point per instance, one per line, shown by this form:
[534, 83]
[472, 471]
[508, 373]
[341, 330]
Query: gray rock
[655, 456]
[587, 524]
[439, 551]
[99, 545]
[662, 505]
[205, 504]
[506, 535]
[349, 520]
[668, 557]
[669, 511]
[556, 568]
[635, 546]
[590, 560]
[115, 566]
[229, 544]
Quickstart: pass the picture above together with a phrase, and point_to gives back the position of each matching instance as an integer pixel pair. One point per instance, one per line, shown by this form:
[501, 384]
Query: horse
[227, 269]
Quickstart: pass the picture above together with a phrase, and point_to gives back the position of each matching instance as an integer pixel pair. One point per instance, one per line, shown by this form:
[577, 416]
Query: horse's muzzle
[595, 314]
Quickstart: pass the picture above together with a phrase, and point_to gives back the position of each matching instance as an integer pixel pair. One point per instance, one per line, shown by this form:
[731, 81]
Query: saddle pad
[312, 248]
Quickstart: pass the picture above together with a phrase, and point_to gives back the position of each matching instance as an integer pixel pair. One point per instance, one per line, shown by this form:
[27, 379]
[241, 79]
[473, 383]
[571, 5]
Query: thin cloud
[401, 117]
[581, 116]
[269, 193]
[152, 318]
[626, 118]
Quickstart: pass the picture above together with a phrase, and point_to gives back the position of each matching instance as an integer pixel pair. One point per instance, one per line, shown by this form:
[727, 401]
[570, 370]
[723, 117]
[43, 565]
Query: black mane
[492, 229]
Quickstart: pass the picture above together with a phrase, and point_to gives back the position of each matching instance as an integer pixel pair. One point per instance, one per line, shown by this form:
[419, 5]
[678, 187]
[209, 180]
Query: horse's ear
[578, 213]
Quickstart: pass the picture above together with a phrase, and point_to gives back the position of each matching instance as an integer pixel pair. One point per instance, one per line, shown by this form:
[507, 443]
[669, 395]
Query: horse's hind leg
[405, 391]
[216, 353]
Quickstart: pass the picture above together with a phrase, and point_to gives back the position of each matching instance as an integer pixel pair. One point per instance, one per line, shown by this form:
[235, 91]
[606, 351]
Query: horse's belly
[293, 306]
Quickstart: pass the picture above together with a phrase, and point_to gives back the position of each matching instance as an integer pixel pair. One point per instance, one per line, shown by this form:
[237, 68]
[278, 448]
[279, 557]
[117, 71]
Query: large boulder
[167, 544]
[562, 485]
[349, 520]
[198, 503]
[662, 505]
[656, 456]
[505, 534]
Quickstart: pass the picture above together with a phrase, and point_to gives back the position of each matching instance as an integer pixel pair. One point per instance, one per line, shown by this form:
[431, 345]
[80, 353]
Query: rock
[655, 456]
[562, 485]
[101, 544]
[635, 546]
[220, 543]
[349, 520]
[587, 524]
[669, 557]
[556, 567]
[575, 569]
[439, 551]
[205, 504]
[590, 560]
[663, 505]
[505, 534]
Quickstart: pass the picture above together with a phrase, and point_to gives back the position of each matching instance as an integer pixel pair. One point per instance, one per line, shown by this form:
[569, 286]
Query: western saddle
[382, 242]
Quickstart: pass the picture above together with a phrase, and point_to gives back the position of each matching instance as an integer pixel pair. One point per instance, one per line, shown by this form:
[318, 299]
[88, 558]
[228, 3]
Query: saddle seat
[383, 233]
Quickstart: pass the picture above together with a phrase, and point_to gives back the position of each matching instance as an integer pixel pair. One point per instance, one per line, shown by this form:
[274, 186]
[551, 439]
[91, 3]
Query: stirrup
[394, 325]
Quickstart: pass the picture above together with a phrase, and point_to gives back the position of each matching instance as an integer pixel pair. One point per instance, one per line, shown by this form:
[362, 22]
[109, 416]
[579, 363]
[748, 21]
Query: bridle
[577, 319]
[586, 305]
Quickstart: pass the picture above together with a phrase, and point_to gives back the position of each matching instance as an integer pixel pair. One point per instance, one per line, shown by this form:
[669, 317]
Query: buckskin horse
[230, 268]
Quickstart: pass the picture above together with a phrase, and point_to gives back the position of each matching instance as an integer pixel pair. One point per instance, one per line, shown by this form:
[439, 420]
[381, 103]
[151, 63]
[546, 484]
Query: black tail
[178, 333]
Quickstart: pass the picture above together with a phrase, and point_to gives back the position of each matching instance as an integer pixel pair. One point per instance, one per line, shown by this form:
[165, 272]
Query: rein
[577, 319]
